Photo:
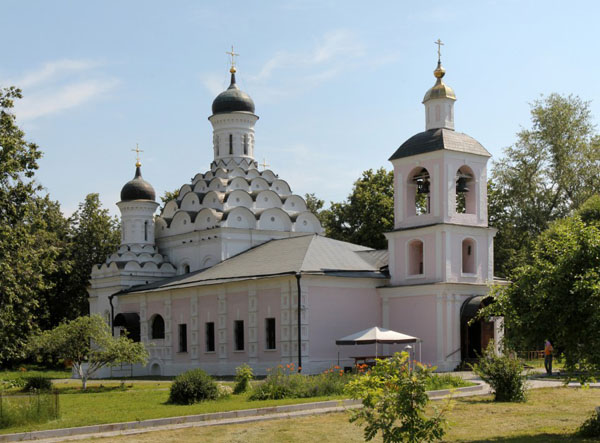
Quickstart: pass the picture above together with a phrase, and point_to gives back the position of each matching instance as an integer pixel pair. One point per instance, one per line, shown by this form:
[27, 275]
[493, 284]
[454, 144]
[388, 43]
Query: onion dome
[138, 188]
[440, 89]
[233, 99]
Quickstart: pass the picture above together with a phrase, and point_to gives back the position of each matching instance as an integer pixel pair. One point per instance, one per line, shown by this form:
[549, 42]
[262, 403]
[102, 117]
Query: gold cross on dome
[439, 44]
[137, 151]
[233, 56]
[264, 164]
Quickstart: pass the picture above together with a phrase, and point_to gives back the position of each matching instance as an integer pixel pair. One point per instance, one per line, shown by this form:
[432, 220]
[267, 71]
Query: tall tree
[24, 259]
[94, 235]
[367, 213]
[550, 171]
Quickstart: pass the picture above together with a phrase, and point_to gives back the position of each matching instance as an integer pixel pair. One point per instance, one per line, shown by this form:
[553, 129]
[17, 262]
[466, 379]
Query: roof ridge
[306, 252]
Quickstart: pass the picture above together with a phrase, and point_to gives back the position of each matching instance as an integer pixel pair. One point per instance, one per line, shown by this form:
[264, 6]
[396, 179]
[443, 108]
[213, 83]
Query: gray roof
[309, 254]
[439, 139]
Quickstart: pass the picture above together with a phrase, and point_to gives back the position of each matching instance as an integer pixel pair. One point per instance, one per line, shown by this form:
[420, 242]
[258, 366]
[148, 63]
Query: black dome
[138, 188]
[232, 100]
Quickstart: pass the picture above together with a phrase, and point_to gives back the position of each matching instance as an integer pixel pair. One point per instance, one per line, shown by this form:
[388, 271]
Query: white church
[237, 270]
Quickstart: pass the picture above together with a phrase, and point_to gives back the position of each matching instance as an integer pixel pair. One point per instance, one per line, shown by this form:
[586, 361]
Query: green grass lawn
[550, 415]
[30, 371]
[110, 402]
[113, 401]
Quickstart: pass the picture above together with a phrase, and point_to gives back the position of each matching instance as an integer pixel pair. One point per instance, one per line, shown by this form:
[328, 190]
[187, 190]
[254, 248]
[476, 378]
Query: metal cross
[264, 164]
[137, 151]
[440, 44]
[233, 55]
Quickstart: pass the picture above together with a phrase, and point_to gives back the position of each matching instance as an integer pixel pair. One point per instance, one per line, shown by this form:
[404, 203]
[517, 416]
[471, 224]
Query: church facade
[237, 270]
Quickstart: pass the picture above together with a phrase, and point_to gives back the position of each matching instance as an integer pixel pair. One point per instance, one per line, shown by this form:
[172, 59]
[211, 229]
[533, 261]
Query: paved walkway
[253, 415]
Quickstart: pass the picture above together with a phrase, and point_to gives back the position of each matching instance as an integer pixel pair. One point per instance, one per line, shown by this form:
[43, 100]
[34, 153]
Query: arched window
[245, 144]
[415, 257]
[157, 328]
[468, 256]
[230, 144]
[146, 230]
[186, 269]
[465, 191]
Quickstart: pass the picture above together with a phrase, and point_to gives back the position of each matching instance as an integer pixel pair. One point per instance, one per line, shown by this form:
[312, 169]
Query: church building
[236, 270]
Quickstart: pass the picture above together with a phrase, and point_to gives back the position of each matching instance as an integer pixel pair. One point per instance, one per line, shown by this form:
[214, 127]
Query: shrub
[224, 390]
[504, 374]
[243, 376]
[394, 399]
[285, 382]
[591, 427]
[37, 383]
[191, 387]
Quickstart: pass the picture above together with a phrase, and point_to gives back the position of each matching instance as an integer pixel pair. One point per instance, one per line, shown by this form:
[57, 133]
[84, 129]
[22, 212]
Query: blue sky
[337, 85]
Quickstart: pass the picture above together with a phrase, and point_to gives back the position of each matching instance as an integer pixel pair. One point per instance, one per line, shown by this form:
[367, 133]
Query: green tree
[550, 171]
[366, 214]
[556, 294]
[94, 235]
[394, 399]
[168, 196]
[314, 205]
[87, 342]
[26, 255]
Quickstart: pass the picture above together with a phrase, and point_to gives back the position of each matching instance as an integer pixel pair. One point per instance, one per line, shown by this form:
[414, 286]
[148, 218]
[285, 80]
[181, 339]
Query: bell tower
[441, 249]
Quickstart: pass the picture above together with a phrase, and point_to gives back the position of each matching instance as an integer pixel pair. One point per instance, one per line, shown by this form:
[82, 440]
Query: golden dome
[440, 89]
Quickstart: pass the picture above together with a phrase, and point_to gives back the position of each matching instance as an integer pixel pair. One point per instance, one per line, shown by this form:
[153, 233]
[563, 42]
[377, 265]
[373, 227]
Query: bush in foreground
[504, 374]
[394, 399]
[591, 427]
[193, 386]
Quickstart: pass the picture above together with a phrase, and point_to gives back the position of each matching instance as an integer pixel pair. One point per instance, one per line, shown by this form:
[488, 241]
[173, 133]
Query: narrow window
[468, 256]
[238, 333]
[158, 327]
[210, 336]
[230, 144]
[270, 333]
[183, 338]
[186, 269]
[245, 144]
[146, 230]
[415, 258]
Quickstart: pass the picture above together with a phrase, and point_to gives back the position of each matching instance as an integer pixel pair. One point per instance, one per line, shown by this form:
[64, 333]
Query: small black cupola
[138, 188]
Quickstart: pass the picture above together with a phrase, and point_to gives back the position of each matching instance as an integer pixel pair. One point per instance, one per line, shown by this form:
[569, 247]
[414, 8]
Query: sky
[337, 85]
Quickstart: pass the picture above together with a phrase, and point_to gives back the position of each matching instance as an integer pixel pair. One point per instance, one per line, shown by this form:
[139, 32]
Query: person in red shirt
[548, 357]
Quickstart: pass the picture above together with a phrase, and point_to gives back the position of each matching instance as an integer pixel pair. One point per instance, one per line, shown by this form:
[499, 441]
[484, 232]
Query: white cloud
[52, 70]
[60, 85]
[69, 96]
[294, 72]
[339, 46]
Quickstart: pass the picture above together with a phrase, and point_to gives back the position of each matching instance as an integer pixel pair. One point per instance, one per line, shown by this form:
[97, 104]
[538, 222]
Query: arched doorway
[475, 337]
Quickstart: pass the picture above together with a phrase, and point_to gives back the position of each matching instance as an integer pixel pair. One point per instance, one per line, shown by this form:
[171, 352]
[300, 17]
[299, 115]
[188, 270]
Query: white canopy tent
[378, 335]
